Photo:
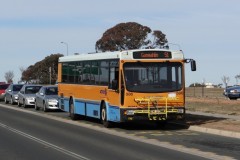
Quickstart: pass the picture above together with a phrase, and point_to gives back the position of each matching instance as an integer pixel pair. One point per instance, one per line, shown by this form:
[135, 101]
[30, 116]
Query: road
[27, 134]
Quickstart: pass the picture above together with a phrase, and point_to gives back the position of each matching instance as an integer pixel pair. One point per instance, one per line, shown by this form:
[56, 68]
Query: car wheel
[45, 107]
[11, 102]
[19, 104]
[233, 98]
[5, 100]
[36, 107]
[24, 104]
[104, 120]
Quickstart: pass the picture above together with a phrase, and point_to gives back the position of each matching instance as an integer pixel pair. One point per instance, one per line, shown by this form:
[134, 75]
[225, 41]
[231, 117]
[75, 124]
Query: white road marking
[67, 152]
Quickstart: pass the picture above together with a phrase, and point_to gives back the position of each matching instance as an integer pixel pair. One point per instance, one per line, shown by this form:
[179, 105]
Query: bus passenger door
[113, 96]
[113, 88]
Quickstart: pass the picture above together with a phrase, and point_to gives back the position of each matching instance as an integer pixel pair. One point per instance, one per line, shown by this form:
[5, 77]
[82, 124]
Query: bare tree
[9, 76]
[225, 80]
[22, 69]
[237, 77]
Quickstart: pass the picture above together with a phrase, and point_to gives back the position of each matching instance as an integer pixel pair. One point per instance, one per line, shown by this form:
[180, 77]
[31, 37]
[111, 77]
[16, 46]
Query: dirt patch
[213, 122]
[213, 105]
[219, 105]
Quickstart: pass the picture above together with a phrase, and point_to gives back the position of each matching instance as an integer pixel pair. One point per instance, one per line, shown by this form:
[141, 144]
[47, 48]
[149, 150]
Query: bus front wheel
[104, 120]
[72, 115]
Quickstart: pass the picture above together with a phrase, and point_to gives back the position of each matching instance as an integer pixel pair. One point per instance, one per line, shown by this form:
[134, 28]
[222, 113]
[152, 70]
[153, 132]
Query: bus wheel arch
[103, 116]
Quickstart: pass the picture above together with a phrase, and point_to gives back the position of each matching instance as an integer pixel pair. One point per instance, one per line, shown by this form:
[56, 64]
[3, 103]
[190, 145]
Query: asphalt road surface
[27, 134]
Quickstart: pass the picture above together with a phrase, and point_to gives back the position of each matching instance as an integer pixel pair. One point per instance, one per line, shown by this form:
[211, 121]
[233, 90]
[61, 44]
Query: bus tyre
[72, 115]
[105, 123]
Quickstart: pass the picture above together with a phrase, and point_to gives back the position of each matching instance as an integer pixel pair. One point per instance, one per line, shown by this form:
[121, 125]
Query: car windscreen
[4, 86]
[17, 87]
[52, 91]
[32, 89]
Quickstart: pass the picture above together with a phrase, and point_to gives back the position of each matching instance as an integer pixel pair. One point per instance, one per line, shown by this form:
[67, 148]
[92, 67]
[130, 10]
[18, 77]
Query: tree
[27, 74]
[159, 39]
[225, 80]
[196, 85]
[237, 77]
[39, 72]
[130, 35]
[9, 76]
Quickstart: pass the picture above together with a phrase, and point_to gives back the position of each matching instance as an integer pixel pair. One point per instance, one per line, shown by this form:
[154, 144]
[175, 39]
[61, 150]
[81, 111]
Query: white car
[11, 94]
[26, 96]
[47, 98]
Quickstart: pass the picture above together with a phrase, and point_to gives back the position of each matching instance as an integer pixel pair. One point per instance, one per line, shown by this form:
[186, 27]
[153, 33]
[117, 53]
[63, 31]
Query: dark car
[232, 93]
[47, 98]
[27, 94]
[11, 94]
[3, 87]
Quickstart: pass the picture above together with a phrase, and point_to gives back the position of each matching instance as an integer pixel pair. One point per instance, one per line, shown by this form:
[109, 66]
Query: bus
[124, 86]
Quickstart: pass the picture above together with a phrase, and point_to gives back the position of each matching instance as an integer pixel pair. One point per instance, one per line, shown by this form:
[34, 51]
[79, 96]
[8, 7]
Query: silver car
[11, 94]
[26, 96]
[47, 98]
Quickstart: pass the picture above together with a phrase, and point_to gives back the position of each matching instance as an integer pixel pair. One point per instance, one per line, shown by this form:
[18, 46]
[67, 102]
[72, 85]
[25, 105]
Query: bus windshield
[153, 77]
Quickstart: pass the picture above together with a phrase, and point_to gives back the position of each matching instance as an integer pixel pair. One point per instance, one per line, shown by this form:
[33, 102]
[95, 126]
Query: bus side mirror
[193, 65]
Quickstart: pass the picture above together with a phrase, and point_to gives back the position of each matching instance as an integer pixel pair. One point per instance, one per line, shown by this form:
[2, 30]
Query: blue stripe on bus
[113, 113]
[92, 109]
[79, 107]
[66, 104]
[87, 108]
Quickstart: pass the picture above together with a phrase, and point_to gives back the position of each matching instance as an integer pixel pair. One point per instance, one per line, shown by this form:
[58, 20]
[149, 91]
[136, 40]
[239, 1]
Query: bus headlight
[129, 112]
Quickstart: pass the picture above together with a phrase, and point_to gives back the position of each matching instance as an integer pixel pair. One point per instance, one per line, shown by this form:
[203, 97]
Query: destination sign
[152, 55]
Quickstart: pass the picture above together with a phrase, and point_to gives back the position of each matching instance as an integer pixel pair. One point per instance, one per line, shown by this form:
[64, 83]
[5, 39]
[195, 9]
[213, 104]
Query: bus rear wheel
[72, 115]
[104, 120]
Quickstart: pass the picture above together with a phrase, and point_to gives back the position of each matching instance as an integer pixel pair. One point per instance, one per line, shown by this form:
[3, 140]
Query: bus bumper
[152, 115]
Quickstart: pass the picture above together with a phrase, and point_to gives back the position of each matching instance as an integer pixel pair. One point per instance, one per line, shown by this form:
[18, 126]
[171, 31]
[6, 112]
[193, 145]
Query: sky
[207, 31]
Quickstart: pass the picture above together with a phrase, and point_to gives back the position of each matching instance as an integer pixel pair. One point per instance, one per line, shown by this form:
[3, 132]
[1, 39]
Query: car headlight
[52, 100]
[30, 98]
[233, 91]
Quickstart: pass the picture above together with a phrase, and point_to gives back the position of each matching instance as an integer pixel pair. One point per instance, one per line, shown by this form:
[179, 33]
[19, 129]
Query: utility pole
[50, 73]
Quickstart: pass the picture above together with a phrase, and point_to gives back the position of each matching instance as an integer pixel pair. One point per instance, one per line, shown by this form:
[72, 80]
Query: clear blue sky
[207, 30]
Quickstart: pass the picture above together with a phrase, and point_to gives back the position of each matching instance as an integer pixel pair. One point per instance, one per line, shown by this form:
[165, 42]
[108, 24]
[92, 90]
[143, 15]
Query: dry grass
[213, 101]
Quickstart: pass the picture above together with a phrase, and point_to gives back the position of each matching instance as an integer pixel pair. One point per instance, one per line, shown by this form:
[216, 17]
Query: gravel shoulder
[214, 113]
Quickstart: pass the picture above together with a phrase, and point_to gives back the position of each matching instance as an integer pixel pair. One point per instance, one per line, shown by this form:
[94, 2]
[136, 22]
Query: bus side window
[114, 85]
[114, 71]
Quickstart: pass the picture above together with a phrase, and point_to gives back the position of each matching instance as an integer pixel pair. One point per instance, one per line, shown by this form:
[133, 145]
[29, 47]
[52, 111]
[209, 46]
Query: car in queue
[47, 98]
[27, 95]
[11, 94]
[233, 93]
[3, 87]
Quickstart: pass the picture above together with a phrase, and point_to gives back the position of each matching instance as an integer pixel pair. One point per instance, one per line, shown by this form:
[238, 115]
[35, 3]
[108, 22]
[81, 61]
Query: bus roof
[138, 54]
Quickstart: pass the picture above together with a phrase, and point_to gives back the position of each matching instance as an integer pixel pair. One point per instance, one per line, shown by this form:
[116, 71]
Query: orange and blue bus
[123, 86]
